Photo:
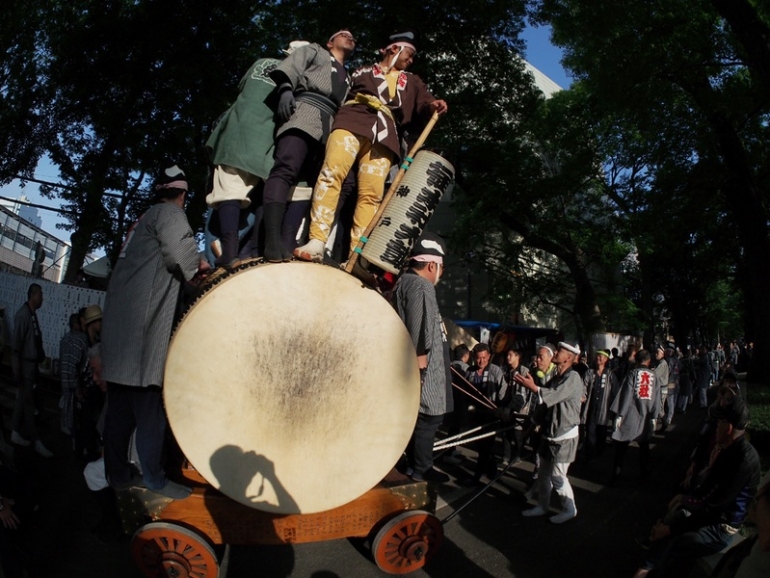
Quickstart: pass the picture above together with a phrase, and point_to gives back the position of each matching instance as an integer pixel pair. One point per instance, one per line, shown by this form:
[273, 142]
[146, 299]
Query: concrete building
[28, 250]
[29, 214]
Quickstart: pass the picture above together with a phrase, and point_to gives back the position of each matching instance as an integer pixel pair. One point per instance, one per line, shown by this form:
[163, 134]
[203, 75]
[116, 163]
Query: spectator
[661, 370]
[15, 510]
[627, 363]
[687, 378]
[707, 436]
[580, 365]
[600, 387]
[90, 396]
[72, 359]
[671, 385]
[703, 373]
[756, 564]
[458, 419]
[614, 360]
[704, 520]
[516, 400]
[487, 379]
[26, 355]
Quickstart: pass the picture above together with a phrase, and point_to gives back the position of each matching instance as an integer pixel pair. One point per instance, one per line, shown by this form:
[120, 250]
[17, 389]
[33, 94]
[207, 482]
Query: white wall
[59, 302]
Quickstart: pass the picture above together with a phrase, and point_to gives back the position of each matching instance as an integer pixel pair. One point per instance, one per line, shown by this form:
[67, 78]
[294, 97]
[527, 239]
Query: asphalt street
[488, 538]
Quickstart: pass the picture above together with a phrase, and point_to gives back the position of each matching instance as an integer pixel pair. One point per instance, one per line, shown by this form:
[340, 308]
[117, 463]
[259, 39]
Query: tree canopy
[635, 200]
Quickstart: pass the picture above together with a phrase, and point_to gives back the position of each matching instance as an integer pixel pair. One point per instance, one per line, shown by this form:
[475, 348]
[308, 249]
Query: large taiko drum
[291, 387]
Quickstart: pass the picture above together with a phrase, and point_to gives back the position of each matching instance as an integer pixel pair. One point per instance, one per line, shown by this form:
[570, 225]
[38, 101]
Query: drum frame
[219, 520]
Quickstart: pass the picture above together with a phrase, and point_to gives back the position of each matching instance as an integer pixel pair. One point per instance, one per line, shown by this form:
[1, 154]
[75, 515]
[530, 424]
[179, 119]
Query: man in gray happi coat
[312, 85]
[414, 298]
[636, 409]
[560, 433]
[159, 253]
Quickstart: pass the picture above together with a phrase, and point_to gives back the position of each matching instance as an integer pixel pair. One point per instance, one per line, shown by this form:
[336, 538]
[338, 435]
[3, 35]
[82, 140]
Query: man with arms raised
[560, 433]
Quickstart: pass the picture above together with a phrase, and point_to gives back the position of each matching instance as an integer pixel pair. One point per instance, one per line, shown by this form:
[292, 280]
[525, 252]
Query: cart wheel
[407, 541]
[163, 550]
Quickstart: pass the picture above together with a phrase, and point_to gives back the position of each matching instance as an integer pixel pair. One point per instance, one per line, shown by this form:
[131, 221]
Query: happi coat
[410, 106]
[243, 135]
[319, 84]
[562, 416]
[414, 299]
[159, 253]
[637, 402]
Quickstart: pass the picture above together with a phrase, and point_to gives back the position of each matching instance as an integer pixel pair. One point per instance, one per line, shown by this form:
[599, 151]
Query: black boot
[275, 252]
[229, 243]
[229, 215]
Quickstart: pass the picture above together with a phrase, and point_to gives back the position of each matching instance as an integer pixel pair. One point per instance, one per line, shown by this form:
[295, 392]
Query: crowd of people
[557, 410]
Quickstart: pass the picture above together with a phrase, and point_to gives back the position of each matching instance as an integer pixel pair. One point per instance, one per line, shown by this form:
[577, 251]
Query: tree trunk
[745, 202]
[752, 33]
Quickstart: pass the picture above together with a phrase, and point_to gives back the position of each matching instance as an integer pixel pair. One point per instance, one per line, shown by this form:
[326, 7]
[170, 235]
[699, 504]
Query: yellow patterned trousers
[374, 161]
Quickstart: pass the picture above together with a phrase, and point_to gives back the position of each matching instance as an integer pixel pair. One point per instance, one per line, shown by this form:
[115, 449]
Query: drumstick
[490, 404]
[386, 199]
[483, 400]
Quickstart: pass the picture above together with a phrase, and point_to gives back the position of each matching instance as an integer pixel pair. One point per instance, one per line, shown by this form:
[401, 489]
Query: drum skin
[291, 387]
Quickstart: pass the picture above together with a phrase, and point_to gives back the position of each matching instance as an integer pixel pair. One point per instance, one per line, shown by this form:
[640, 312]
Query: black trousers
[420, 449]
[296, 155]
[596, 438]
[139, 408]
[621, 448]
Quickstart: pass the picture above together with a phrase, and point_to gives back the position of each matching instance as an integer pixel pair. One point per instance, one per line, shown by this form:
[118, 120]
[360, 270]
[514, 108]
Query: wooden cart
[175, 538]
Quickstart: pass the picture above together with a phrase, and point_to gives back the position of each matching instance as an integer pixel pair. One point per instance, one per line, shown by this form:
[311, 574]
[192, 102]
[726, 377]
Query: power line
[36, 206]
[60, 186]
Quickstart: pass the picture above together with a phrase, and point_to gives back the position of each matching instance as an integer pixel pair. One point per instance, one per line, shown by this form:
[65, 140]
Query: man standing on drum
[312, 84]
[414, 298]
[384, 100]
[159, 253]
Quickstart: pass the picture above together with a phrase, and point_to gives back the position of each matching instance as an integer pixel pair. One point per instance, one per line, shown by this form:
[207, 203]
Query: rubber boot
[229, 215]
[275, 252]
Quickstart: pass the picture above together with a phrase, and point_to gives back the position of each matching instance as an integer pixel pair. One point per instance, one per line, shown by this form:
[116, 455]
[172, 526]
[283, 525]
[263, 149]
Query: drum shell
[408, 211]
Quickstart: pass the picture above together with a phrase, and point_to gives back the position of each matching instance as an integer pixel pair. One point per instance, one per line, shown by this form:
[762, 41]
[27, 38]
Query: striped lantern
[408, 211]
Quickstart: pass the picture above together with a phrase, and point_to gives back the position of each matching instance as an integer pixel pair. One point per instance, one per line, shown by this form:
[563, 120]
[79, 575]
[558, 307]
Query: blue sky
[540, 53]
[544, 56]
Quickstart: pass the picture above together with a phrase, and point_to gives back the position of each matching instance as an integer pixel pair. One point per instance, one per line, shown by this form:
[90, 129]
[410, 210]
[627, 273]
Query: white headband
[173, 185]
[569, 347]
[428, 259]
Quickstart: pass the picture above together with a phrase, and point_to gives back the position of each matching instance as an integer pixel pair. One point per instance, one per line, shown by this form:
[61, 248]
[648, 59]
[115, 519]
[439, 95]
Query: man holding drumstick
[414, 298]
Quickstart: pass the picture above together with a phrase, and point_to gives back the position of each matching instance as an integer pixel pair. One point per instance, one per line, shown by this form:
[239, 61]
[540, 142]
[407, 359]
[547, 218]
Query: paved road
[489, 538]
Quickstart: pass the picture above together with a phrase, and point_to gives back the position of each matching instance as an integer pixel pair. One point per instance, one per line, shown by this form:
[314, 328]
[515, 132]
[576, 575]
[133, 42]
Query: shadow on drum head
[250, 465]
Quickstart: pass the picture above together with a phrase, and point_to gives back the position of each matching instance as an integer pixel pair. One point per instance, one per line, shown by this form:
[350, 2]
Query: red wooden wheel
[163, 550]
[407, 541]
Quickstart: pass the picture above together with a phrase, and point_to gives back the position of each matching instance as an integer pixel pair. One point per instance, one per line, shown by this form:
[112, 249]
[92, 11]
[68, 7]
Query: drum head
[291, 387]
